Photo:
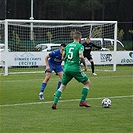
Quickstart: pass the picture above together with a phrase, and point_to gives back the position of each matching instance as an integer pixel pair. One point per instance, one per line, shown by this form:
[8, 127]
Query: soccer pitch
[21, 111]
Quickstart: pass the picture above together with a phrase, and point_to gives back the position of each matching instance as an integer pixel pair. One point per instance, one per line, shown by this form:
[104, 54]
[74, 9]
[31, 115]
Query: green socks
[83, 97]
[57, 96]
[84, 93]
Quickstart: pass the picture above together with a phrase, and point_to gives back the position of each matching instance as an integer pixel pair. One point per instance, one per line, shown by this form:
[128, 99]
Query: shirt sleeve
[81, 48]
[99, 47]
[52, 54]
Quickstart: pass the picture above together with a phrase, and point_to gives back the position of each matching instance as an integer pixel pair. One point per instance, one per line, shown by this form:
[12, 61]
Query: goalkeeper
[53, 63]
[87, 52]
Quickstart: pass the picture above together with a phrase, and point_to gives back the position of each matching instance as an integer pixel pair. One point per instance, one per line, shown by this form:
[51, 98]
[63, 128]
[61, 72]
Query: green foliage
[93, 4]
[129, 47]
[97, 32]
[15, 44]
[15, 38]
[120, 34]
[131, 31]
[49, 35]
[21, 111]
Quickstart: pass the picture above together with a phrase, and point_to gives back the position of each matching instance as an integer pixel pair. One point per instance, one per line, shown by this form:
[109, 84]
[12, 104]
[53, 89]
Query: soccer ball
[106, 103]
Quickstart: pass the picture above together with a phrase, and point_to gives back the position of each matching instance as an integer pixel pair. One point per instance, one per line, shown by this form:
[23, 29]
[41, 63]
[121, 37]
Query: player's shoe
[54, 106]
[94, 74]
[85, 104]
[41, 96]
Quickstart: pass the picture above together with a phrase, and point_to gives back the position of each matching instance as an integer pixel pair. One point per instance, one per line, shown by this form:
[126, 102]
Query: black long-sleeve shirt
[88, 47]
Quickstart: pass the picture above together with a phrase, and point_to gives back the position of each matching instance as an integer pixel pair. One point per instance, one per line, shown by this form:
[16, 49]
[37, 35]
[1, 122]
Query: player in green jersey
[72, 55]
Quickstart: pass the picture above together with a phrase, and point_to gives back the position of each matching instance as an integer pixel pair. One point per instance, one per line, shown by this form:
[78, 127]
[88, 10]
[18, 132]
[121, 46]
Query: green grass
[21, 111]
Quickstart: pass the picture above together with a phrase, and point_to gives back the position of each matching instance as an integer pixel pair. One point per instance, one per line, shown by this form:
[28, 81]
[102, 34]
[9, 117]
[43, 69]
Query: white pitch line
[53, 78]
[72, 100]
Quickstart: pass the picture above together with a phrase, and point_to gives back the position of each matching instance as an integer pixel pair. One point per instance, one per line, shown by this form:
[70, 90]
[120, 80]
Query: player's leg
[44, 83]
[65, 79]
[92, 67]
[92, 64]
[59, 82]
[84, 94]
[59, 71]
[82, 77]
[58, 95]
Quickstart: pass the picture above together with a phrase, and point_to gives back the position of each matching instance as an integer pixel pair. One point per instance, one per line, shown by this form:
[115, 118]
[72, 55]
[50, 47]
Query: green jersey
[72, 60]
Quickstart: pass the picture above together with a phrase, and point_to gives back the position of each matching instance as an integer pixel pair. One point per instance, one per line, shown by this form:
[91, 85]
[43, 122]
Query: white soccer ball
[106, 103]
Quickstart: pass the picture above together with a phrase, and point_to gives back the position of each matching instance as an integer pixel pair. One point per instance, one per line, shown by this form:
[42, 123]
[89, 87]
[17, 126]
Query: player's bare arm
[47, 64]
[63, 55]
[83, 60]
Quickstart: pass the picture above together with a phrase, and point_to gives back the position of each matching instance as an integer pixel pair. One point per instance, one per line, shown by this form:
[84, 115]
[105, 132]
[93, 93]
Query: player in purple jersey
[53, 63]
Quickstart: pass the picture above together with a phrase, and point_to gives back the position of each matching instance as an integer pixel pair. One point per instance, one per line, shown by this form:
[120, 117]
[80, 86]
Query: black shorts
[88, 56]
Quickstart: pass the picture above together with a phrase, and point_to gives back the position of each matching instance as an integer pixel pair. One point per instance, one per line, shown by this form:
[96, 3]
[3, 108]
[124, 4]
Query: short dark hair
[77, 35]
[63, 45]
[88, 38]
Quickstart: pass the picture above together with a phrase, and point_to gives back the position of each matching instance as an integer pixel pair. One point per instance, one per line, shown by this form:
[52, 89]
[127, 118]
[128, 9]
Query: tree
[131, 31]
[49, 35]
[104, 4]
[120, 34]
[92, 6]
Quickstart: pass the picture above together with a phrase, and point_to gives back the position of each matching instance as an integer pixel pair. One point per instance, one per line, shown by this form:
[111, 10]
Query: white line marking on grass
[72, 100]
[53, 78]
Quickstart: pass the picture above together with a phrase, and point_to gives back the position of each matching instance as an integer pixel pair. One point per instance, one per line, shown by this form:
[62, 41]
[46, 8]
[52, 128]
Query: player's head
[62, 46]
[87, 40]
[77, 36]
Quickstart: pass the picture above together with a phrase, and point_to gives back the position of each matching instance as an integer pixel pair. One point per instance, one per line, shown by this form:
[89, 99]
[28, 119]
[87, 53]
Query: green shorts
[79, 76]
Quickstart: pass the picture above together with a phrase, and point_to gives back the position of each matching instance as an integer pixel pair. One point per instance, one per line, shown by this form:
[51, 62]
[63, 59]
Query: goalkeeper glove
[105, 49]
